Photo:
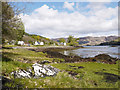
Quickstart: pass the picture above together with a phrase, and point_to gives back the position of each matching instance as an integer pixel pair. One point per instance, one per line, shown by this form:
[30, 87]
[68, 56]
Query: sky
[61, 19]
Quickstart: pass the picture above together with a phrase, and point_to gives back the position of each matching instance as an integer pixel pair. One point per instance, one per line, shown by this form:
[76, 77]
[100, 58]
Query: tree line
[71, 41]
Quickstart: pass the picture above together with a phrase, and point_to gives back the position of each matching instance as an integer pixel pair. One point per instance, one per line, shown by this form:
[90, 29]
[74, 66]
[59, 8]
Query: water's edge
[92, 51]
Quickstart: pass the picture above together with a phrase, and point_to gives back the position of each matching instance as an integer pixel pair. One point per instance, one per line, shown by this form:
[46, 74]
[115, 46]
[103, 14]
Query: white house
[64, 44]
[39, 43]
[21, 43]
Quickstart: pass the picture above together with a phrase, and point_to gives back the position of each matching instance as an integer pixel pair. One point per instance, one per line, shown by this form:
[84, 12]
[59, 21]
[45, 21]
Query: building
[21, 43]
[39, 43]
[64, 44]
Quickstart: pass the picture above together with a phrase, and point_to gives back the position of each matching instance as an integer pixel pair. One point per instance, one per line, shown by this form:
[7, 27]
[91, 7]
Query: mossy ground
[85, 78]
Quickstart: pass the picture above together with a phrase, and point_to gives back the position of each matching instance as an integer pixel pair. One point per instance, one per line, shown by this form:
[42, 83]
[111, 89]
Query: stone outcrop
[22, 73]
[44, 70]
[38, 71]
[105, 58]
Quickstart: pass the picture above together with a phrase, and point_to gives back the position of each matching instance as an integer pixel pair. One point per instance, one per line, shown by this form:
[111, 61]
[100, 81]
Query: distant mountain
[57, 39]
[114, 42]
[95, 40]
[89, 40]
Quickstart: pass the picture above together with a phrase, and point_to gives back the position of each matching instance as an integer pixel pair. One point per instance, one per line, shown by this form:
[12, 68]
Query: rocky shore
[54, 53]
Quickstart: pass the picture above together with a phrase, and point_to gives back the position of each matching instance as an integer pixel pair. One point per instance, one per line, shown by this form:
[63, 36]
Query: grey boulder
[39, 71]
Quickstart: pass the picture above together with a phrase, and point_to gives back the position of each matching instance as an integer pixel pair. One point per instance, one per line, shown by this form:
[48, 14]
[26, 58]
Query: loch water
[91, 51]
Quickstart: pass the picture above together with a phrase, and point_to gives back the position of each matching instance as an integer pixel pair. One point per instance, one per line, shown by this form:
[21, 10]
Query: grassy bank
[71, 75]
[92, 74]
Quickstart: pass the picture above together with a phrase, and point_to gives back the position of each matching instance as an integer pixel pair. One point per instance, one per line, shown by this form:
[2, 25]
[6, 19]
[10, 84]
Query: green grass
[88, 67]
[10, 45]
[86, 77]
[24, 54]
[87, 74]
[14, 59]
[8, 67]
[62, 80]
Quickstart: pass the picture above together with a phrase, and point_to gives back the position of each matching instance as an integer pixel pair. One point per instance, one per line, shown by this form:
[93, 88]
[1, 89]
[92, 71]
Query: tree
[51, 42]
[12, 26]
[30, 42]
[20, 31]
[72, 41]
[62, 40]
[77, 39]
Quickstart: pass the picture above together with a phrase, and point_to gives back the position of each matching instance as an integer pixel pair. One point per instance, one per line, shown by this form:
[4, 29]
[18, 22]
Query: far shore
[46, 47]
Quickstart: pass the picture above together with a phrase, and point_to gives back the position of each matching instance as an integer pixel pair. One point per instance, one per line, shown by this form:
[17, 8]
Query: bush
[58, 60]
[73, 44]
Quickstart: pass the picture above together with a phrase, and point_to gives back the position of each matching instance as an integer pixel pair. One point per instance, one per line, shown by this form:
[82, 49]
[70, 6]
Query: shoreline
[46, 47]
[54, 53]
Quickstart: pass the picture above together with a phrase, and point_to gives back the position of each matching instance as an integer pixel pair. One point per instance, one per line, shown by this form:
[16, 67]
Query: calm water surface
[91, 51]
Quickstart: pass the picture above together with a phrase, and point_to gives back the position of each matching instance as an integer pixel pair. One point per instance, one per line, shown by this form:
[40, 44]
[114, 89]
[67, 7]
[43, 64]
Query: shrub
[58, 60]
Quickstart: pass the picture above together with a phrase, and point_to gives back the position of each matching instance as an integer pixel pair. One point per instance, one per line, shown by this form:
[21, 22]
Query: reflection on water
[91, 51]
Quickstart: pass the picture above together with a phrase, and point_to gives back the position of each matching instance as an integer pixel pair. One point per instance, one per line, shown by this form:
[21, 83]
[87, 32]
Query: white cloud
[100, 10]
[97, 5]
[69, 6]
[51, 23]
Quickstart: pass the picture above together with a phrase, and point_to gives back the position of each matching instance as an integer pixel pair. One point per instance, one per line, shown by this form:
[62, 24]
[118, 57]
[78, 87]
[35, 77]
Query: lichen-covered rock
[22, 73]
[46, 70]
[38, 71]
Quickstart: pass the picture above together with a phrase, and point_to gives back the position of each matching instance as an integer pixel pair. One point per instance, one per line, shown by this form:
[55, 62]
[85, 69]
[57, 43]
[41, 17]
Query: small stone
[80, 67]
[45, 61]
[35, 83]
